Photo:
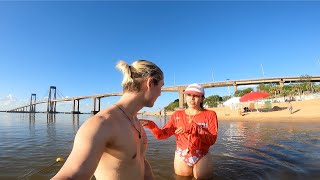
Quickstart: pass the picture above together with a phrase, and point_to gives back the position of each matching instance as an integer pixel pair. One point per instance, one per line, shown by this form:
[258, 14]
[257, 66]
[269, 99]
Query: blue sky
[76, 45]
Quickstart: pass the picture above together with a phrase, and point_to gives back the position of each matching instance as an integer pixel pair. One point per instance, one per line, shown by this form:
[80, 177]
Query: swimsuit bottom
[190, 157]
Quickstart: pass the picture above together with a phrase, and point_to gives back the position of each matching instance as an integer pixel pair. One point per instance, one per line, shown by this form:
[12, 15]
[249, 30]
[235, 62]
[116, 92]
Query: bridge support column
[181, 97]
[95, 109]
[75, 107]
[99, 104]
[93, 106]
[235, 88]
[32, 103]
[281, 83]
[51, 107]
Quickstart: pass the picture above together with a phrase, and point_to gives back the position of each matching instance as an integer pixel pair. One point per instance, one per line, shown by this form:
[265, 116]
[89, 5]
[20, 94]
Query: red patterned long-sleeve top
[200, 134]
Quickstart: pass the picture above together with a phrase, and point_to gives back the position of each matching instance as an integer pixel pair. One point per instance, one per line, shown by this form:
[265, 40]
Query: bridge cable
[45, 95]
[60, 94]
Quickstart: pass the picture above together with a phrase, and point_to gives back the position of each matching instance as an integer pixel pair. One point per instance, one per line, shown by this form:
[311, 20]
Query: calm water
[30, 144]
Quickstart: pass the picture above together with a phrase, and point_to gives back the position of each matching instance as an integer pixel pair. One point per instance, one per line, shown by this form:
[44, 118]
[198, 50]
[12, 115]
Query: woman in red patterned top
[195, 129]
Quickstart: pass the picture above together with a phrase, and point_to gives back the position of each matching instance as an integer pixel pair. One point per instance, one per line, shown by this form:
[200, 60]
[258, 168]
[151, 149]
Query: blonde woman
[112, 143]
[195, 129]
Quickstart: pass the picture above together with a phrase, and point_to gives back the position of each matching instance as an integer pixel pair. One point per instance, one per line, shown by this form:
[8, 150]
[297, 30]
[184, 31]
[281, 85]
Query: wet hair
[137, 72]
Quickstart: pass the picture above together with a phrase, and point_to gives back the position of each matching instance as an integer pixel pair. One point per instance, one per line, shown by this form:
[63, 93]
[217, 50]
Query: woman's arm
[163, 133]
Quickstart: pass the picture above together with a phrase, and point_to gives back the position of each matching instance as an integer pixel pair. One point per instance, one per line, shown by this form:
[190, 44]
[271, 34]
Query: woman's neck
[193, 111]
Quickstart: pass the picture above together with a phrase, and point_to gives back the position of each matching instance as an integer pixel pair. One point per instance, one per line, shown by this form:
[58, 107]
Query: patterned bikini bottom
[190, 157]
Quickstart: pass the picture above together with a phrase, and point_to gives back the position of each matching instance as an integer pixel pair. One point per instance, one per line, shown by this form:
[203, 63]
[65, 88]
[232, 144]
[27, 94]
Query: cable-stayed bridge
[96, 99]
[52, 100]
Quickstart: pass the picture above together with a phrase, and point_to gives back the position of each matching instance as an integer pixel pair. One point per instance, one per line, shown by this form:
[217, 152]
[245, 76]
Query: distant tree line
[275, 91]
[293, 89]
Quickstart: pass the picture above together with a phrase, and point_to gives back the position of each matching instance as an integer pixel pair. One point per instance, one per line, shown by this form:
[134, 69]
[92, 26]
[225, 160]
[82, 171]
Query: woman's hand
[185, 129]
[147, 123]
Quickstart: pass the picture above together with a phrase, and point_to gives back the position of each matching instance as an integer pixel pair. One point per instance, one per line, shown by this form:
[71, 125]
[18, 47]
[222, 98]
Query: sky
[75, 45]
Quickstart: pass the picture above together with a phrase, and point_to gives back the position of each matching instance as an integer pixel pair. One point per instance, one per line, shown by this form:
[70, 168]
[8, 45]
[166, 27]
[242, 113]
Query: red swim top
[201, 132]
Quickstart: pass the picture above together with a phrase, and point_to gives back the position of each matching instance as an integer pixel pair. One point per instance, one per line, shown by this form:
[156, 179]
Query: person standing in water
[195, 129]
[112, 143]
[290, 106]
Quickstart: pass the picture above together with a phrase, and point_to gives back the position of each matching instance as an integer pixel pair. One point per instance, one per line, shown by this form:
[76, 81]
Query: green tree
[306, 83]
[212, 101]
[225, 98]
[296, 89]
[172, 106]
[266, 87]
[285, 91]
[240, 93]
[317, 88]
[263, 87]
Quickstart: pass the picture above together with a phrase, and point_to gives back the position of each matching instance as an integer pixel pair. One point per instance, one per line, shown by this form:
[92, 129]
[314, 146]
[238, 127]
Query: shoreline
[303, 111]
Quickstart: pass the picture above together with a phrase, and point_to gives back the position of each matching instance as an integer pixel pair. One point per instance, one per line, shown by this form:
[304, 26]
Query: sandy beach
[303, 111]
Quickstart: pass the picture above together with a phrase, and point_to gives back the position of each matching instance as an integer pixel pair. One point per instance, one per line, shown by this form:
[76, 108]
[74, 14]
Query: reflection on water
[32, 122]
[75, 123]
[30, 144]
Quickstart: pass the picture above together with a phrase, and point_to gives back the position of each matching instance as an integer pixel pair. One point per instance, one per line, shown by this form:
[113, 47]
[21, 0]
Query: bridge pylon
[51, 107]
[33, 100]
[95, 109]
[76, 107]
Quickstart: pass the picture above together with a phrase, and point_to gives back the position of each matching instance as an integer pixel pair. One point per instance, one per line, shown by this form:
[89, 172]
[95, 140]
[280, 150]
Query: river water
[30, 144]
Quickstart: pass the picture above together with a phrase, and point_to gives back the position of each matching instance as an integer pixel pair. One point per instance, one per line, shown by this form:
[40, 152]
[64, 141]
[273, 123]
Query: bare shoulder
[101, 123]
[105, 116]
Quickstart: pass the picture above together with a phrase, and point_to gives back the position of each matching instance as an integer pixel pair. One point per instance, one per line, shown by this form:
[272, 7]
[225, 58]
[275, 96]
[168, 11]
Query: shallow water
[30, 145]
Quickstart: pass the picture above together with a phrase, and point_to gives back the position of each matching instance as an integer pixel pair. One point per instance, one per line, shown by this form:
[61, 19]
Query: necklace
[130, 121]
[191, 118]
[189, 115]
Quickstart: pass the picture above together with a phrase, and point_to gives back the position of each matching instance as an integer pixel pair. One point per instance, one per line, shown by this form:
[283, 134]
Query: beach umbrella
[252, 96]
